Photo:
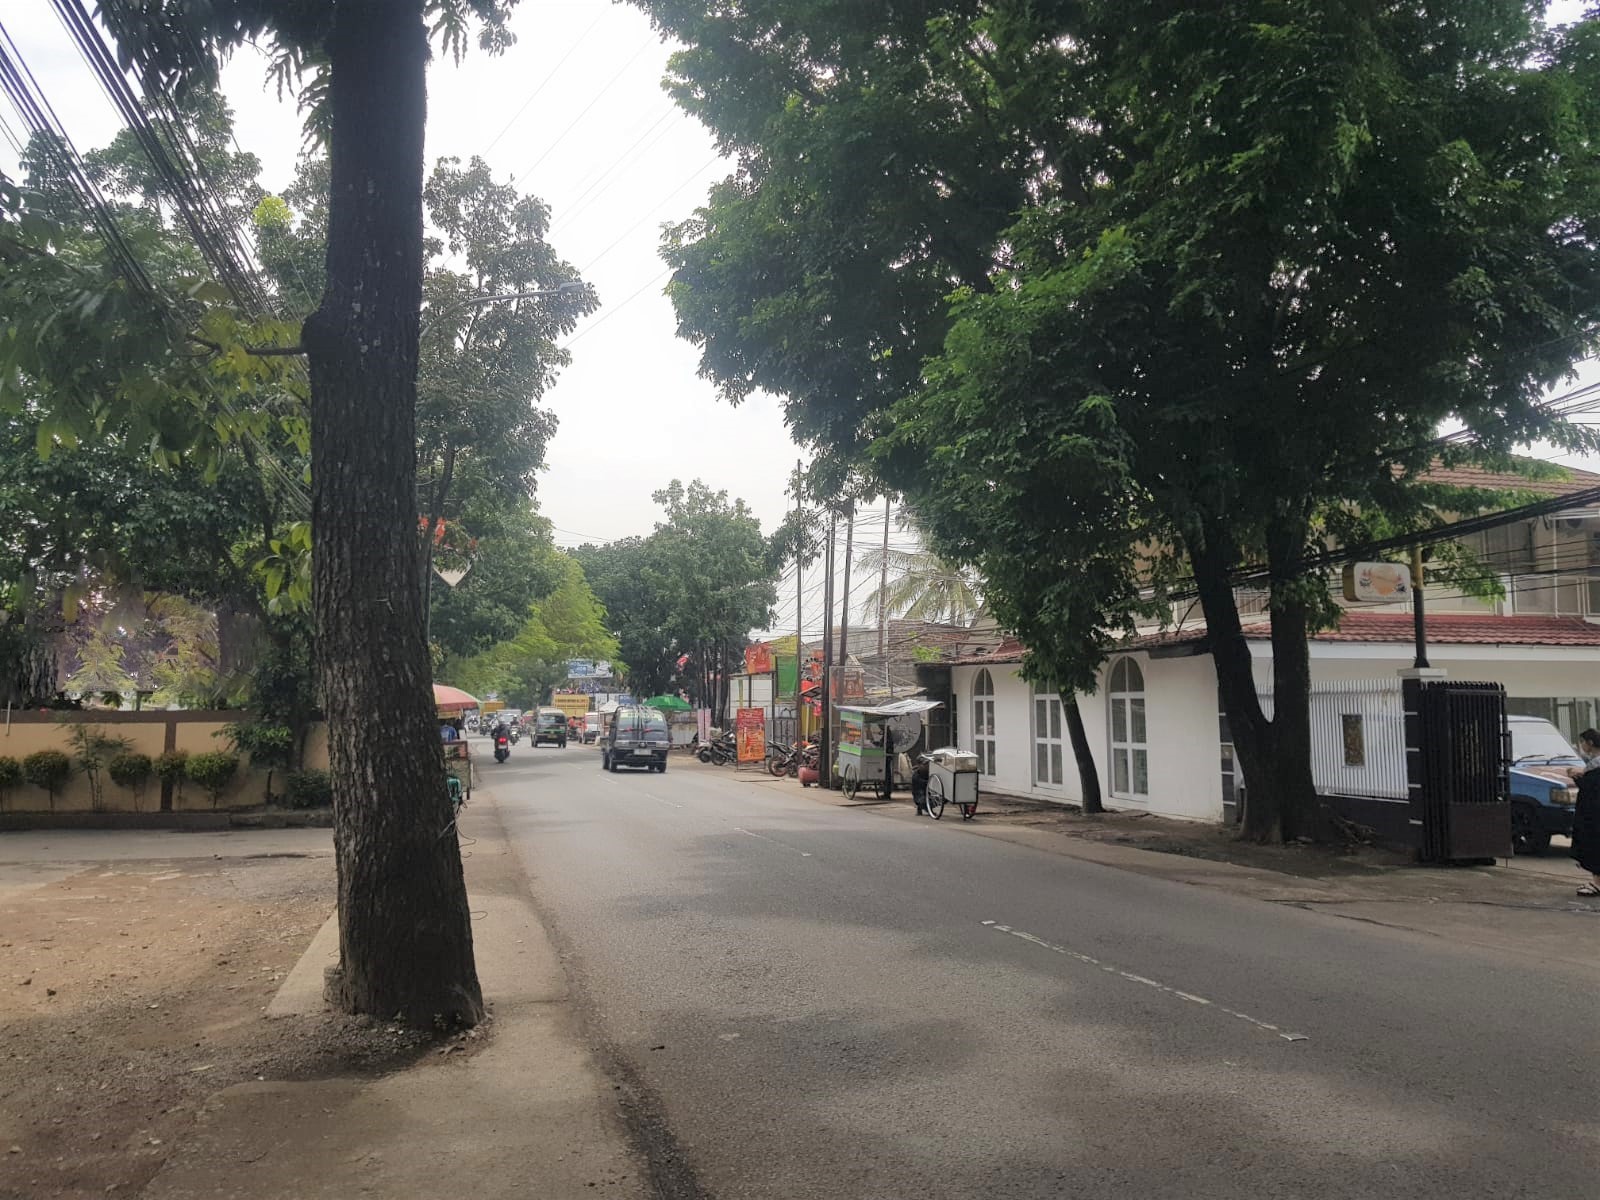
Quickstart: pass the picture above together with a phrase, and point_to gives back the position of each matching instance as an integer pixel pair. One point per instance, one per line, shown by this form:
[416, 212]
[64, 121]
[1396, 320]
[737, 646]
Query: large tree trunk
[405, 935]
[1088, 773]
[1280, 795]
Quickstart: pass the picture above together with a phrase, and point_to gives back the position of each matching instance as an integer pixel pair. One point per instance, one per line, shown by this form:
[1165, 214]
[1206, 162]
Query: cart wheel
[851, 781]
[935, 797]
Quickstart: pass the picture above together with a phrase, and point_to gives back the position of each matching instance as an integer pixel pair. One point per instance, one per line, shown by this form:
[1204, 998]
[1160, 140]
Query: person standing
[1586, 816]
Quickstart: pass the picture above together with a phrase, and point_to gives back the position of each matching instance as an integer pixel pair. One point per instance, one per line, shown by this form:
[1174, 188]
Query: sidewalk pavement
[524, 1111]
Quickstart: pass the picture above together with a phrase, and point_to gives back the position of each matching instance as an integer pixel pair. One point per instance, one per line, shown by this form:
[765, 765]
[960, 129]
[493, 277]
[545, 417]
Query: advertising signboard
[758, 659]
[573, 706]
[750, 727]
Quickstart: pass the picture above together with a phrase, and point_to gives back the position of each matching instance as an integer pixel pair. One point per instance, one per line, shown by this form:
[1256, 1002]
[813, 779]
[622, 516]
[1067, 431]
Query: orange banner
[750, 726]
[758, 659]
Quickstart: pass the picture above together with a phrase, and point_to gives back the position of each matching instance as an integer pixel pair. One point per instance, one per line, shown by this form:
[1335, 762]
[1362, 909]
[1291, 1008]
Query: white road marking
[1088, 960]
[659, 800]
[763, 837]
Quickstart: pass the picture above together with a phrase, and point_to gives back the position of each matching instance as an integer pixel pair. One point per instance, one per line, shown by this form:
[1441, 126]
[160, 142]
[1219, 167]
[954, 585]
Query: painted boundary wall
[149, 732]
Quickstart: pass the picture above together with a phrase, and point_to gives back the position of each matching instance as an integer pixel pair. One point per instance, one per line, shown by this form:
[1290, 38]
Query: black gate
[1465, 785]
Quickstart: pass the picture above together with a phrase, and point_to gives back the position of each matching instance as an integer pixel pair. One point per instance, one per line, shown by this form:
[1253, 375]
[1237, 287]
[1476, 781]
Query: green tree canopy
[1218, 276]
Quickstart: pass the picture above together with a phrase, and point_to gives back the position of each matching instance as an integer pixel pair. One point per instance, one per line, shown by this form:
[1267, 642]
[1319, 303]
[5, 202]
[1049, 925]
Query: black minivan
[638, 738]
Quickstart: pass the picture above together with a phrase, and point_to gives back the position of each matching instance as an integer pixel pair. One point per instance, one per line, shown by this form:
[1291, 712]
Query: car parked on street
[638, 737]
[1542, 793]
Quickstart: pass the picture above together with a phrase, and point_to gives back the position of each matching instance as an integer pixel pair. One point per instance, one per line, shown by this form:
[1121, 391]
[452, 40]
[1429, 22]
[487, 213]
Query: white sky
[575, 112]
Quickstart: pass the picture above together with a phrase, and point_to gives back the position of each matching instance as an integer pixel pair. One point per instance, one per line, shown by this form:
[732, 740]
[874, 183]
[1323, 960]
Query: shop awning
[452, 699]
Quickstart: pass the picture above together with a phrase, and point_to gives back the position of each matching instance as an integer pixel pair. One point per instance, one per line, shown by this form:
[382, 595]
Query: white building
[1155, 724]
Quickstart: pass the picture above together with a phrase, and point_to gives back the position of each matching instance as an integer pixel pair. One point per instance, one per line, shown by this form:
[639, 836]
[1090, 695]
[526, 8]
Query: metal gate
[1465, 785]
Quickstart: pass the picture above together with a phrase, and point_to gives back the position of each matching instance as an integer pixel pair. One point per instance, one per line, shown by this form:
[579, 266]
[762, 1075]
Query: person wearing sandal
[1586, 816]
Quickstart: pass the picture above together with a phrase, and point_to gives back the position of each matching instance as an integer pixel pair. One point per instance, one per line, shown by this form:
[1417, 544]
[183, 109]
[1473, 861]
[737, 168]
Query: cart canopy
[896, 708]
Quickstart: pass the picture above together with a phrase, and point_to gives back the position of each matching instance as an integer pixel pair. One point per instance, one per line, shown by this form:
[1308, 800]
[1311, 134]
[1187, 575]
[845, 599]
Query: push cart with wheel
[862, 761]
[952, 779]
[871, 736]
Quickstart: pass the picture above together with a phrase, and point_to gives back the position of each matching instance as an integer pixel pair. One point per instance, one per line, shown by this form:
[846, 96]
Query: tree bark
[405, 935]
[1088, 773]
[1275, 754]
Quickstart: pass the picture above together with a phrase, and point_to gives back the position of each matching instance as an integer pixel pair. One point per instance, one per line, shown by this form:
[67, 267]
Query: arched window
[983, 721]
[1047, 747]
[1130, 753]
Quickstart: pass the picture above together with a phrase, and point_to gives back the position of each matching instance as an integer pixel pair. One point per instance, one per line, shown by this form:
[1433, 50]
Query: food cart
[453, 704]
[952, 779]
[870, 735]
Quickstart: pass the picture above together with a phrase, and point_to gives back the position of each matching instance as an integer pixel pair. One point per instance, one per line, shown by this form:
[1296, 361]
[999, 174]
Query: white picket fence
[1358, 738]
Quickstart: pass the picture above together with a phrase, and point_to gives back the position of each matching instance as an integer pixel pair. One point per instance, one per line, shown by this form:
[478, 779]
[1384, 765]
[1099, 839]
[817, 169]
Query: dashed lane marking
[1111, 969]
[763, 837]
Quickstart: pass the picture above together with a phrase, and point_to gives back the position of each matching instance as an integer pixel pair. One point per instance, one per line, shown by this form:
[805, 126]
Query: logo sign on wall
[1379, 582]
[750, 727]
[758, 659]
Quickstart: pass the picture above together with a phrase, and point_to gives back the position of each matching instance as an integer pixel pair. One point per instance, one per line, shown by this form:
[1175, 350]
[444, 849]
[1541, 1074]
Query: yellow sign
[490, 706]
[573, 706]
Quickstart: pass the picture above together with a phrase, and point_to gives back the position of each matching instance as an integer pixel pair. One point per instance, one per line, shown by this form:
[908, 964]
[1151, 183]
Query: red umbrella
[451, 699]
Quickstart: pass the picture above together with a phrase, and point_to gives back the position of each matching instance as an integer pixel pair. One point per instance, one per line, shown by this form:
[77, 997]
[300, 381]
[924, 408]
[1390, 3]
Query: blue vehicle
[1542, 792]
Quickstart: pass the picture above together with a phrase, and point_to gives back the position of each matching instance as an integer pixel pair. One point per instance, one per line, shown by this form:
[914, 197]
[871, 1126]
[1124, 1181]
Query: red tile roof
[1008, 651]
[1444, 629]
[1467, 476]
[1462, 629]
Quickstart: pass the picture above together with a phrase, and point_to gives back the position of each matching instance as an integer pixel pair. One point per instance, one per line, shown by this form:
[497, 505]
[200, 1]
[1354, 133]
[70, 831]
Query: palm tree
[921, 586]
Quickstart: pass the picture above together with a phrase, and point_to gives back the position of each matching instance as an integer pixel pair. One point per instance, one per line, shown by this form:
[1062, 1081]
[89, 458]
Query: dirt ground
[130, 992]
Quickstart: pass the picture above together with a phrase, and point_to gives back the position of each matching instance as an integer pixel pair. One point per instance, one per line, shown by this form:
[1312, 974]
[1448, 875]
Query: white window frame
[1049, 723]
[1128, 755]
[983, 736]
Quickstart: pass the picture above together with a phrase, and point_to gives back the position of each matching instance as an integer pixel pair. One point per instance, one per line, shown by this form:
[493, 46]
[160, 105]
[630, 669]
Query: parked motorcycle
[502, 747]
[719, 751]
[787, 760]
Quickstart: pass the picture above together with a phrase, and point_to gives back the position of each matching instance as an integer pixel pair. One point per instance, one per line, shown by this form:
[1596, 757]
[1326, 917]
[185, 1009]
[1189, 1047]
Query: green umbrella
[669, 704]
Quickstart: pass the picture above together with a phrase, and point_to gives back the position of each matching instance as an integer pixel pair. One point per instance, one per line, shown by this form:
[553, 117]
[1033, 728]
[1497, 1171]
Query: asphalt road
[853, 1003]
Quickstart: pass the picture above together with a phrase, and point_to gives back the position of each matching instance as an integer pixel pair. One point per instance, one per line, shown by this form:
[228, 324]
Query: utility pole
[799, 621]
[825, 758]
[1419, 619]
[844, 608]
[883, 596]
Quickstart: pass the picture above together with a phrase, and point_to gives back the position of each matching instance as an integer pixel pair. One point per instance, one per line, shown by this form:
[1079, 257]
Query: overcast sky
[575, 113]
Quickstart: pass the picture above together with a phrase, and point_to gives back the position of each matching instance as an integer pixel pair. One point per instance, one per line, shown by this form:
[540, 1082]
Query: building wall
[1181, 734]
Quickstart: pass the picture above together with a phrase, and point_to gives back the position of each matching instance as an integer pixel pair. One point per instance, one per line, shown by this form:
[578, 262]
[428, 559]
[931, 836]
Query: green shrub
[133, 772]
[310, 789]
[213, 772]
[268, 745]
[172, 766]
[47, 769]
[10, 775]
[95, 748]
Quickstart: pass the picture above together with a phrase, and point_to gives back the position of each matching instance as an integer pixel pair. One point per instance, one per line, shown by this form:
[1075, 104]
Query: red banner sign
[758, 659]
[750, 726]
